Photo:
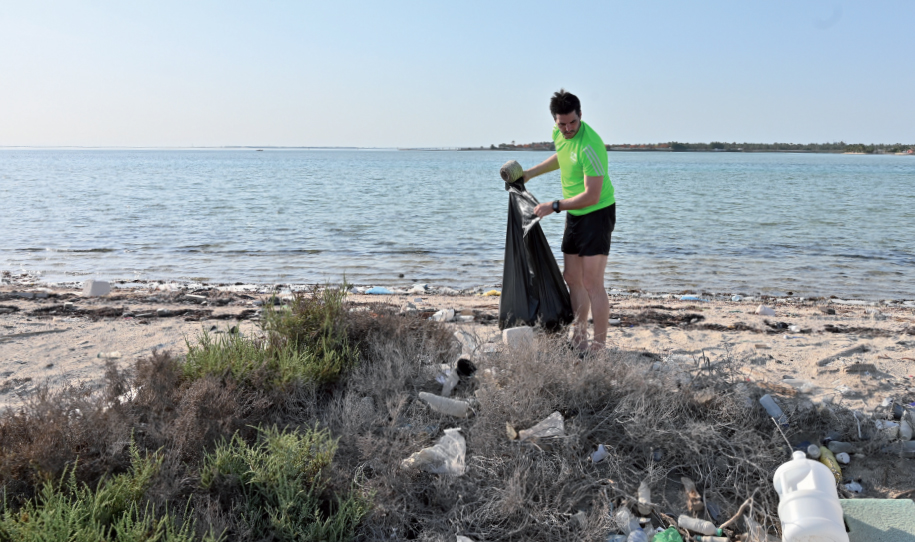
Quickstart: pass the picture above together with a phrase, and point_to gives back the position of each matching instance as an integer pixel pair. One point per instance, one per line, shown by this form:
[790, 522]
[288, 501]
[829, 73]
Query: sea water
[808, 224]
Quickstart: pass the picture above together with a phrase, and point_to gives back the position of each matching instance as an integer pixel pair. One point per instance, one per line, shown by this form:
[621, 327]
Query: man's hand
[544, 209]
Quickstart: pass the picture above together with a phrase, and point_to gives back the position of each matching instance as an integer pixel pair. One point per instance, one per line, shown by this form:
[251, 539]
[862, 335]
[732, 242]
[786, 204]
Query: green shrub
[281, 480]
[69, 511]
[305, 341]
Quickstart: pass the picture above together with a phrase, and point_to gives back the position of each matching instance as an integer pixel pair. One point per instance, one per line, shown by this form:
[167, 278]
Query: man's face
[568, 124]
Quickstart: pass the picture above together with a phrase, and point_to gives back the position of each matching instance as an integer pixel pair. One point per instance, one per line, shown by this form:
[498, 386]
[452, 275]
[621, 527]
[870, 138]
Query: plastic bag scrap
[533, 290]
[551, 426]
[446, 457]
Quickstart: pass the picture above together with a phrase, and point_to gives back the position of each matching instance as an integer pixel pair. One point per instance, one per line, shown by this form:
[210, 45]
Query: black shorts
[589, 235]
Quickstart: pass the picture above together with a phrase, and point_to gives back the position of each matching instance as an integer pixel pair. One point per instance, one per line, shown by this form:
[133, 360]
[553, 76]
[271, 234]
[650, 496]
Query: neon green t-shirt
[584, 154]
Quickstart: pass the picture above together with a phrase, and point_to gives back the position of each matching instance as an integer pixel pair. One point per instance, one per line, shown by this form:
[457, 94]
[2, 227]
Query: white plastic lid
[799, 455]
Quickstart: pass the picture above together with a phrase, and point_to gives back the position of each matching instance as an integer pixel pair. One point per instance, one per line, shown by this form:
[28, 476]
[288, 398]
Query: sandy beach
[831, 351]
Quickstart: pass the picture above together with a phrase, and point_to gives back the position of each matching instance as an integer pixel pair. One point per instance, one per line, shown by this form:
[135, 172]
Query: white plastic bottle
[808, 505]
[696, 525]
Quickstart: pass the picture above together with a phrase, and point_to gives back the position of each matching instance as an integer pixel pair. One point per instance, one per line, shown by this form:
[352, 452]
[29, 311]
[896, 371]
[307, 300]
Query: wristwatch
[556, 206]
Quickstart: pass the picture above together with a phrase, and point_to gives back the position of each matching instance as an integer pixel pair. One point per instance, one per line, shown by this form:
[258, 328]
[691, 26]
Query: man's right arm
[548, 165]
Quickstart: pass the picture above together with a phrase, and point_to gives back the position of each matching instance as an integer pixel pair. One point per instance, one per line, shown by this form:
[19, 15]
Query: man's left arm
[591, 196]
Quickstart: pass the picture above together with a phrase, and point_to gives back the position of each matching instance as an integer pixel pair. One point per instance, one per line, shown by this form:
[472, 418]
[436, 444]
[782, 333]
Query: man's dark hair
[563, 103]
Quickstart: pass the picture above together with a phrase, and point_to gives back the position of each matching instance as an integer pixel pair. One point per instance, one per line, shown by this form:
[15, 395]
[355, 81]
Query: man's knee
[572, 278]
[594, 287]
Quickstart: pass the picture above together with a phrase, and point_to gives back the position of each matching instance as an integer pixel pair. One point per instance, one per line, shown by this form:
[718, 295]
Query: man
[591, 215]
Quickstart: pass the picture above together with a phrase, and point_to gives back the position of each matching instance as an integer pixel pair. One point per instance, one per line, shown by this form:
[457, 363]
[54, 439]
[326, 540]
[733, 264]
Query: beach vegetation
[116, 509]
[305, 340]
[280, 480]
[259, 449]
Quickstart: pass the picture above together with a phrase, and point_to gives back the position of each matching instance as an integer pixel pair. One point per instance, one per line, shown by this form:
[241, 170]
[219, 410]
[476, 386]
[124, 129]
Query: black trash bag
[533, 290]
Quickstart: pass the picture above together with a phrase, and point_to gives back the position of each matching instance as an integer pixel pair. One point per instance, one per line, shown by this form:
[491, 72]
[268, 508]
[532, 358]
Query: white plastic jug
[808, 507]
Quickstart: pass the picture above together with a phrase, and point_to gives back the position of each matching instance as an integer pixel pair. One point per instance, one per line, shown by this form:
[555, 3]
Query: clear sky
[441, 74]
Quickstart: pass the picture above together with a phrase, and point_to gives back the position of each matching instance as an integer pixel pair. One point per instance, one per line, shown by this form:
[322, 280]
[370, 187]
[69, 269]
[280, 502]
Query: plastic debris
[888, 428]
[600, 454]
[444, 315]
[449, 378]
[670, 535]
[96, 288]
[463, 539]
[693, 298]
[446, 457]
[551, 426]
[518, 336]
[905, 430]
[379, 290]
[773, 409]
[644, 493]
[813, 451]
[492, 293]
[736, 298]
[109, 355]
[763, 310]
[445, 405]
[696, 525]
[854, 487]
[828, 459]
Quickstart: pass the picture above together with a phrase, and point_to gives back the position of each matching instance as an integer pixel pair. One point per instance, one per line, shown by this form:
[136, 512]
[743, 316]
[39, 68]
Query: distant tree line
[840, 146]
[721, 146]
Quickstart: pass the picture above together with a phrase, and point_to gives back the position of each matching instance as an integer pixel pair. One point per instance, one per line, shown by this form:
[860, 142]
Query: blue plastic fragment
[379, 290]
[693, 298]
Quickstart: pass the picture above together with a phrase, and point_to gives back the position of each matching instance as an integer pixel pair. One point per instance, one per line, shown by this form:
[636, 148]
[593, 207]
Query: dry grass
[659, 423]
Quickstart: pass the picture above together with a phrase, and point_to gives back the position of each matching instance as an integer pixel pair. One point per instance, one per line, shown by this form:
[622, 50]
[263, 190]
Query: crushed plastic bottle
[644, 498]
[696, 525]
[445, 405]
[773, 409]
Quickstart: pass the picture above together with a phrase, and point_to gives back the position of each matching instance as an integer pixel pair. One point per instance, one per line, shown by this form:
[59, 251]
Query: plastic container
[827, 458]
[644, 498]
[808, 505]
[773, 409]
[813, 451]
[697, 525]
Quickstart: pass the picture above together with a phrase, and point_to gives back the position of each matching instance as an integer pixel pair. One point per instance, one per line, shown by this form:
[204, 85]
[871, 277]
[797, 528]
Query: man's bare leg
[573, 273]
[593, 268]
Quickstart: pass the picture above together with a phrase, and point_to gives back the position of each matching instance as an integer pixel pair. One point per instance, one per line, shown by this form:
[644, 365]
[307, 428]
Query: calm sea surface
[721, 222]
